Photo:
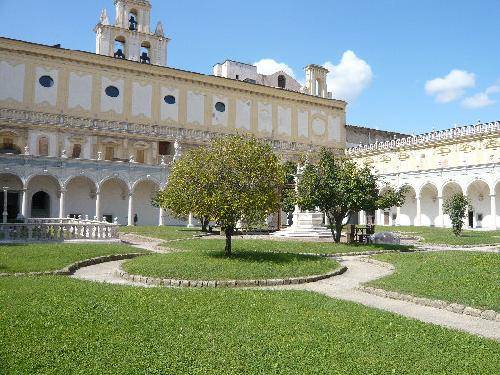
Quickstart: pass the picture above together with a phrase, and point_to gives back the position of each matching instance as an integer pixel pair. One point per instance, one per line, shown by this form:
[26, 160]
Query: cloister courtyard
[166, 300]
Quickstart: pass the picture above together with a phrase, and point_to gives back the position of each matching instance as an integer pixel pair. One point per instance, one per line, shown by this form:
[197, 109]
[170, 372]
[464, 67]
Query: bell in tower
[130, 37]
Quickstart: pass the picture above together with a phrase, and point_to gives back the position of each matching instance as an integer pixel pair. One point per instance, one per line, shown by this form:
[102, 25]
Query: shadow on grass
[258, 256]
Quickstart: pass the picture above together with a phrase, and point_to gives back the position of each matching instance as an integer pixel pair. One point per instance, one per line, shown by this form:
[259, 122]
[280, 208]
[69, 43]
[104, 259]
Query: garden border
[436, 303]
[72, 268]
[165, 282]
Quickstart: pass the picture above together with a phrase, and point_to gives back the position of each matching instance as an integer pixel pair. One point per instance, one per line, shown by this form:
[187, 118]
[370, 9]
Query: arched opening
[318, 87]
[146, 53]
[144, 211]
[281, 81]
[49, 185]
[132, 20]
[429, 205]
[479, 215]
[43, 146]
[119, 48]
[496, 199]
[449, 189]
[114, 200]
[40, 205]
[14, 187]
[80, 197]
[408, 211]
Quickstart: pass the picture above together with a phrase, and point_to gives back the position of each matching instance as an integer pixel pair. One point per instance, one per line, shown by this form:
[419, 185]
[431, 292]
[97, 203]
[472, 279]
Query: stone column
[160, 217]
[190, 221]
[493, 210]
[130, 221]
[24, 203]
[98, 214]
[398, 216]
[418, 220]
[5, 213]
[440, 214]
[61, 204]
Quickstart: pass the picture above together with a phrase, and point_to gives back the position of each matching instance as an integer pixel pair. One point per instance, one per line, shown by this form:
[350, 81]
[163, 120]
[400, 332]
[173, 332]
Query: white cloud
[481, 99]
[451, 87]
[270, 66]
[349, 78]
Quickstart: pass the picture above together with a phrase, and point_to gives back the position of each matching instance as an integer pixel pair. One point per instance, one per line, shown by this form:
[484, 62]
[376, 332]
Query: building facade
[86, 134]
[435, 166]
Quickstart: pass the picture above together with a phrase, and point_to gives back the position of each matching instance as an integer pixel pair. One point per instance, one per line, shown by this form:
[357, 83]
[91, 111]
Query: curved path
[343, 287]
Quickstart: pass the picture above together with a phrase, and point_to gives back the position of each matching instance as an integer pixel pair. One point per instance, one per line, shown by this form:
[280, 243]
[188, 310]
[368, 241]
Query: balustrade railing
[455, 133]
[58, 231]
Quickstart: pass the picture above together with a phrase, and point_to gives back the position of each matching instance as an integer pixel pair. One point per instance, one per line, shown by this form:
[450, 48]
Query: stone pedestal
[306, 224]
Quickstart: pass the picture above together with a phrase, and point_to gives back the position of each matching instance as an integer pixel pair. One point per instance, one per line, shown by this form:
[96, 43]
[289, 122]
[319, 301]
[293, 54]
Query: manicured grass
[60, 325]
[53, 256]
[164, 233]
[446, 236]
[281, 246]
[242, 265]
[468, 278]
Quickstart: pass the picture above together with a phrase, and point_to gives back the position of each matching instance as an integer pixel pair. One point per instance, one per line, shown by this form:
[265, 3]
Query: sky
[407, 66]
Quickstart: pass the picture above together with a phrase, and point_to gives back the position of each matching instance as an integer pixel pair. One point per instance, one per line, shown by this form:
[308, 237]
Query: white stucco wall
[80, 91]
[141, 99]
[243, 113]
[12, 81]
[284, 121]
[265, 111]
[195, 107]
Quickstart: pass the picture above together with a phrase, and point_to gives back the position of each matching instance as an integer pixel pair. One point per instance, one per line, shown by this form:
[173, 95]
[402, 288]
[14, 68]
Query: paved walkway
[342, 287]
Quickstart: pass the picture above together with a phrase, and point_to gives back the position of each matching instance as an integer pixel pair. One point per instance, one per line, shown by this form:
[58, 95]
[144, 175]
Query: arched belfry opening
[120, 45]
[132, 20]
[281, 81]
[316, 81]
[146, 53]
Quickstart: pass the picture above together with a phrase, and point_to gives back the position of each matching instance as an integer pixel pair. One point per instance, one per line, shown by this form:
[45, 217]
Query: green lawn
[243, 265]
[164, 233]
[61, 325]
[53, 256]
[445, 235]
[468, 278]
[281, 246]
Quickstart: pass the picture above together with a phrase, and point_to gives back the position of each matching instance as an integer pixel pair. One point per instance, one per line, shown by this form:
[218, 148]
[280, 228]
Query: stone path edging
[69, 270]
[224, 283]
[436, 303]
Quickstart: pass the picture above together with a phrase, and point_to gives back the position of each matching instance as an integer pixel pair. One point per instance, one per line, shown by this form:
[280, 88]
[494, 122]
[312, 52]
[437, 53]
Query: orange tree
[233, 178]
[339, 187]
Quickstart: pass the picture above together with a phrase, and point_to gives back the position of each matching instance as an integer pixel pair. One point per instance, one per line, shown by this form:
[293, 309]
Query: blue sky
[412, 65]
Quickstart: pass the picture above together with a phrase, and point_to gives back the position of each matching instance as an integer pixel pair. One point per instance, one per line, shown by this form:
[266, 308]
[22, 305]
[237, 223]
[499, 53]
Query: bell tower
[316, 81]
[130, 37]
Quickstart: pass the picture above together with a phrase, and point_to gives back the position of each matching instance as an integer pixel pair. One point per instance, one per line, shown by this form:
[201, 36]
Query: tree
[338, 187]
[233, 178]
[288, 197]
[456, 207]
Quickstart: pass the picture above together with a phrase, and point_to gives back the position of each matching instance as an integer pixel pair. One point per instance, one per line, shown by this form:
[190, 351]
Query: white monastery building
[84, 134]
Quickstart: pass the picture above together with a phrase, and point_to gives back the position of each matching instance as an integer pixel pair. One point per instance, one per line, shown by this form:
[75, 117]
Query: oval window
[46, 81]
[220, 107]
[169, 99]
[112, 91]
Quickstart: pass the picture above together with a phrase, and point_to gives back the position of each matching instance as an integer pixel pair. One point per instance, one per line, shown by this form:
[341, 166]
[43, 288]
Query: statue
[99, 155]
[131, 159]
[178, 150]
[64, 155]
[104, 20]
[26, 151]
[162, 160]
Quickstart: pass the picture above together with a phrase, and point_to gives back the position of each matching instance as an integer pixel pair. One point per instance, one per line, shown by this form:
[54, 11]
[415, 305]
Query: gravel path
[342, 287]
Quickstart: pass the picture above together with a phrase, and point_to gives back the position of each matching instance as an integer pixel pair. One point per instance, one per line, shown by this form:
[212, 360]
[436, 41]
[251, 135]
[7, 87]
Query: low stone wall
[72, 268]
[225, 283]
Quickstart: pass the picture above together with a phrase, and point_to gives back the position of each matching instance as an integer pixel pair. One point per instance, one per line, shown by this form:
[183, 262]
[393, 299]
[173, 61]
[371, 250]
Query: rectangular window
[110, 153]
[77, 150]
[163, 148]
[140, 156]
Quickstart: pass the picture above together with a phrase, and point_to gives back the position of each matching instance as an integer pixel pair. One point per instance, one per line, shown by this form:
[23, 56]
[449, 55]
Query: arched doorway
[40, 205]
[14, 187]
[429, 205]
[50, 186]
[479, 215]
[114, 200]
[408, 211]
[144, 192]
[80, 197]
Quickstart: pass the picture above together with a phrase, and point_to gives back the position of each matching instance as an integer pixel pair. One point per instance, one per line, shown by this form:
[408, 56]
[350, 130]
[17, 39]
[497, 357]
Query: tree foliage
[233, 178]
[338, 187]
[456, 207]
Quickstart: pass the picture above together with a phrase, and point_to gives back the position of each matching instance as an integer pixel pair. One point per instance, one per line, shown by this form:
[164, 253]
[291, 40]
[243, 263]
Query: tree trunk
[338, 230]
[332, 221]
[229, 232]
[204, 224]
